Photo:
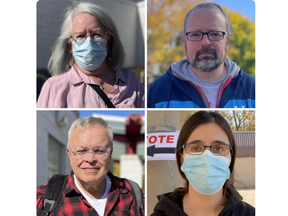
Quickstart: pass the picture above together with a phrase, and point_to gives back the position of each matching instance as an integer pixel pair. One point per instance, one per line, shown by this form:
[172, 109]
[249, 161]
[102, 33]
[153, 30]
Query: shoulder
[57, 83]
[236, 206]
[54, 90]
[163, 80]
[129, 199]
[158, 89]
[158, 213]
[131, 78]
[41, 189]
[120, 183]
[244, 208]
[245, 76]
[60, 79]
[40, 194]
[168, 204]
[126, 74]
[161, 83]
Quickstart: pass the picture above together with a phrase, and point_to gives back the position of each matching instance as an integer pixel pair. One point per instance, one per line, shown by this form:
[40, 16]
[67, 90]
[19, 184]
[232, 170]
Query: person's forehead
[93, 132]
[85, 21]
[208, 133]
[207, 18]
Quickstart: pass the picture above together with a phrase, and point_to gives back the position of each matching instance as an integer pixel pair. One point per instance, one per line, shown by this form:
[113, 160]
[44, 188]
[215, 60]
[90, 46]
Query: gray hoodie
[183, 71]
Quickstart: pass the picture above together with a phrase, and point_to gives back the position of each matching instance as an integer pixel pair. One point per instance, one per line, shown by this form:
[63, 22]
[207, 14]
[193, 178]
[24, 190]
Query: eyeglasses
[198, 149]
[212, 35]
[79, 36]
[80, 153]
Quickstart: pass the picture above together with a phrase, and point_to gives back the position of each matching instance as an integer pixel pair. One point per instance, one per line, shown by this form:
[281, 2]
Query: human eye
[80, 36]
[220, 149]
[194, 35]
[194, 148]
[100, 150]
[80, 151]
[97, 35]
[215, 34]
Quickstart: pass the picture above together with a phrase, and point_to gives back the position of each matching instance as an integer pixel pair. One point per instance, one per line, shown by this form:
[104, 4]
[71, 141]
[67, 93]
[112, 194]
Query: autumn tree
[239, 120]
[242, 41]
[165, 19]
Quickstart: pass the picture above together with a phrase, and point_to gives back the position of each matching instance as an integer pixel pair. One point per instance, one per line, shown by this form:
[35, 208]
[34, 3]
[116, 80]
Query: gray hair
[83, 123]
[210, 5]
[62, 60]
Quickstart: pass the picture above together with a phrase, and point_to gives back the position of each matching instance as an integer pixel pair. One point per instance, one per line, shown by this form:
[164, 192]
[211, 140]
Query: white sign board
[162, 145]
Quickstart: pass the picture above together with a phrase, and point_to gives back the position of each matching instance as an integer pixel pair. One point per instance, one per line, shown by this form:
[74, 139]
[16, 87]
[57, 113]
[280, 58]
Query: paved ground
[248, 195]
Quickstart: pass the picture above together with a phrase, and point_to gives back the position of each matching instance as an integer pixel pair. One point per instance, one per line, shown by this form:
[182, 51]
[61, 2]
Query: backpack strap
[102, 95]
[53, 193]
[137, 194]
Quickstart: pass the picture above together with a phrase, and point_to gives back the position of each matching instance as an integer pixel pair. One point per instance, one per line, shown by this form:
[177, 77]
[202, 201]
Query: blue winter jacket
[169, 91]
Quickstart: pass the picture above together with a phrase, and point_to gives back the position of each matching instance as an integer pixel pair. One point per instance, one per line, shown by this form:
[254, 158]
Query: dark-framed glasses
[100, 153]
[212, 35]
[81, 36]
[217, 149]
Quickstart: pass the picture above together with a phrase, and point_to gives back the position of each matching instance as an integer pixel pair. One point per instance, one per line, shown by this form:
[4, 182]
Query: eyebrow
[199, 30]
[215, 142]
[93, 147]
[85, 32]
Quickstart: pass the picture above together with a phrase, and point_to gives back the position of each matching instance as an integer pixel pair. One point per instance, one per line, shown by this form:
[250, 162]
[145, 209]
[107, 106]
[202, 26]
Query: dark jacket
[168, 91]
[170, 204]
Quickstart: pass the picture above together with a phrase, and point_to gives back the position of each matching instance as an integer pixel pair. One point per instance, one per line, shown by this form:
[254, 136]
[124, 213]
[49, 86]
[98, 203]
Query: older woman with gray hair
[86, 65]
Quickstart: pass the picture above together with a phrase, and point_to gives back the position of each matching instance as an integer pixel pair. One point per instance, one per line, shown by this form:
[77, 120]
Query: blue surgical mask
[207, 172]
[89, 53]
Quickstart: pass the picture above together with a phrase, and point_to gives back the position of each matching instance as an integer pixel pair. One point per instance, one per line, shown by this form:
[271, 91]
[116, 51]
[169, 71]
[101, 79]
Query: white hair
[83, 123]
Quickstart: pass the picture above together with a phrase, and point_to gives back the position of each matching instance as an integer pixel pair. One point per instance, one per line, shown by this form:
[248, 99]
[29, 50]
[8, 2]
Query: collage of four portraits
[145, 108]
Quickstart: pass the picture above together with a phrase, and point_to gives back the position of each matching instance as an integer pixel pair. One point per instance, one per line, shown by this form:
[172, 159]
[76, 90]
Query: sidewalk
[248, 195]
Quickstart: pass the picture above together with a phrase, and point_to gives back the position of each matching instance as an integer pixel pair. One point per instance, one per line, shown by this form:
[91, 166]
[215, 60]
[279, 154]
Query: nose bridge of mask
[208, 154]
[219, 157]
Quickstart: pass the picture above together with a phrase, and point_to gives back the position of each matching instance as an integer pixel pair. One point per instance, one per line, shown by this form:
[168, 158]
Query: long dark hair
[199, 118]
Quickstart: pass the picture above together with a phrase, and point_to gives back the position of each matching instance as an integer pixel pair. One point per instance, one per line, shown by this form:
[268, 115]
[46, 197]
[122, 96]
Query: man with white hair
[90, 188]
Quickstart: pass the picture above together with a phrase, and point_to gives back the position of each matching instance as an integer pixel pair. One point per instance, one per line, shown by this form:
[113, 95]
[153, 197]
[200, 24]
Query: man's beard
[208, 63]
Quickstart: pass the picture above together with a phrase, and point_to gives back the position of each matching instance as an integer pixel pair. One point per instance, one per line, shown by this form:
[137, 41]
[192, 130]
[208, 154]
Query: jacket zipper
[219, 94]
[201, 93]
[221, 90]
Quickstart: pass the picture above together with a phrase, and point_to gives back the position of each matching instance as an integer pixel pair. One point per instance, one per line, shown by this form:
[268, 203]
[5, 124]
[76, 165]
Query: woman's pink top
[71, 90]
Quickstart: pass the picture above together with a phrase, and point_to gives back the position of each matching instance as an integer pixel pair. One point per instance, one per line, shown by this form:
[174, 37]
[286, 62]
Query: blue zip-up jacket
[168, 91]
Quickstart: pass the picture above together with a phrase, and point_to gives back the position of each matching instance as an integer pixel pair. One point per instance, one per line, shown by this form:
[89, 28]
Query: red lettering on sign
[152, 137]
[160, 139]
[170, 139]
